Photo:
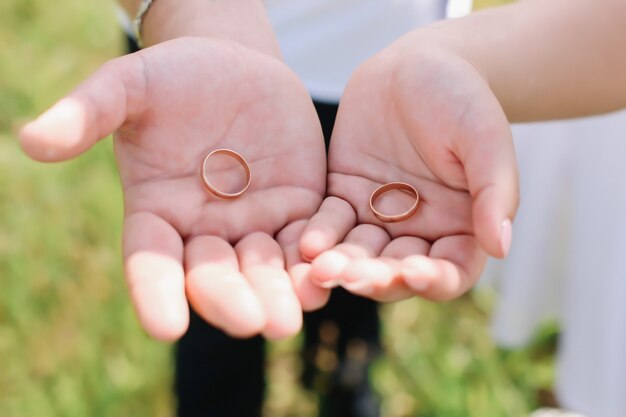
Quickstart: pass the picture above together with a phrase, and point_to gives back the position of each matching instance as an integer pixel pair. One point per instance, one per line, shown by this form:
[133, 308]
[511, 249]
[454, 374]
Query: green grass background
[69, 342]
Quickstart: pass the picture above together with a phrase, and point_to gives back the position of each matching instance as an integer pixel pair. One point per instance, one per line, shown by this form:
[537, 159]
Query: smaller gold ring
[207, 184]
[402, 186]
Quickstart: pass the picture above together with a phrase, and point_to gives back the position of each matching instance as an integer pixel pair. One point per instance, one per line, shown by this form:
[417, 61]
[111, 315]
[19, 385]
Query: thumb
[94, 110]
[488, 157]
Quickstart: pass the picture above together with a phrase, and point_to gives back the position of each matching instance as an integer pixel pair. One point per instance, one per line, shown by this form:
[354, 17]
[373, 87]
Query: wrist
[242, 21]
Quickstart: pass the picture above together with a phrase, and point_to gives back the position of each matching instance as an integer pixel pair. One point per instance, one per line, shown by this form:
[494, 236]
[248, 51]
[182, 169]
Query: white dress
[568, 258]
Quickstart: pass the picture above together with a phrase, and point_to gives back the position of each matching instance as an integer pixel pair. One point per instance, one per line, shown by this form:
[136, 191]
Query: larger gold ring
[207, 184]
[402, 186]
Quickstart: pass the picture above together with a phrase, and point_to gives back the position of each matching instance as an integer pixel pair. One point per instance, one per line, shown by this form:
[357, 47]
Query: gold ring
[207, 184]
[402, 186]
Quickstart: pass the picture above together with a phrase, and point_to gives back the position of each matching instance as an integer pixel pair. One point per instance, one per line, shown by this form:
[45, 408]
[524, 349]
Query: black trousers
[218, 376]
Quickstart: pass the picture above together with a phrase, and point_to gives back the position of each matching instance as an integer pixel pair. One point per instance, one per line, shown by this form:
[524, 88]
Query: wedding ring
[401, 186]
[207, 184]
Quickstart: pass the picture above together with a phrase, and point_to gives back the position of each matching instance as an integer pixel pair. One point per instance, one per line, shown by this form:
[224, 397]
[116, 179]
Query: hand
[424, 117]
[170, 105]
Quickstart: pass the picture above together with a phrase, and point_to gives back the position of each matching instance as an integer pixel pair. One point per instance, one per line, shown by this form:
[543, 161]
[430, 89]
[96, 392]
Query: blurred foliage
[439, 361]
[69, 342]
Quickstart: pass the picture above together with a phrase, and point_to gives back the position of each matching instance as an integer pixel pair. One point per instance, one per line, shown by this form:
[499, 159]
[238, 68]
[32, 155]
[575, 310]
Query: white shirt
[323, 41]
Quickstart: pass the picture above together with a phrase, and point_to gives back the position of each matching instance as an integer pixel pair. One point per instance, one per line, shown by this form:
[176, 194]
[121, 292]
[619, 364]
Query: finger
[381, 278]
[438, 205]
[311, 296]
[401, 247]
[218, 291]
[153, 253]
[95, 109]
[364, 241]
[451, 268]
[261, 260]
[334, 219]
[488, 157]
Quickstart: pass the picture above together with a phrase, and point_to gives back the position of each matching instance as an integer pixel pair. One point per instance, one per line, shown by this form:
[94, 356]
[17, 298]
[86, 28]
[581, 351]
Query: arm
[243, 21]
[543, 59]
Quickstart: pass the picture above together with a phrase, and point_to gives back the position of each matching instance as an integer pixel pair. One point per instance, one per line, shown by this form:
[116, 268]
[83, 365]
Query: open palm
[414, 118]
[170, 105]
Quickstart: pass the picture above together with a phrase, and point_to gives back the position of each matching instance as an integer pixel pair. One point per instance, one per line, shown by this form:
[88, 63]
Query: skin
[451, 147]
[432, 109]
[542, 59]
[438, 106]
[168, 106]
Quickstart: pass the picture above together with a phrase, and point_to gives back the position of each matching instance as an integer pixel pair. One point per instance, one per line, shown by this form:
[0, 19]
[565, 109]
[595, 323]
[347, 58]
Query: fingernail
[416, 273]
[52, 153]
[329, 284]
[362, 288]
[416, 283]
[327, 268]
[419, 285]
[506, 235]
[315, 242]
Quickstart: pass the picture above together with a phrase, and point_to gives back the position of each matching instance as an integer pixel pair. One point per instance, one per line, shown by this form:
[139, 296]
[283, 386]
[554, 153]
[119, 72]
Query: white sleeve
[458, 8]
